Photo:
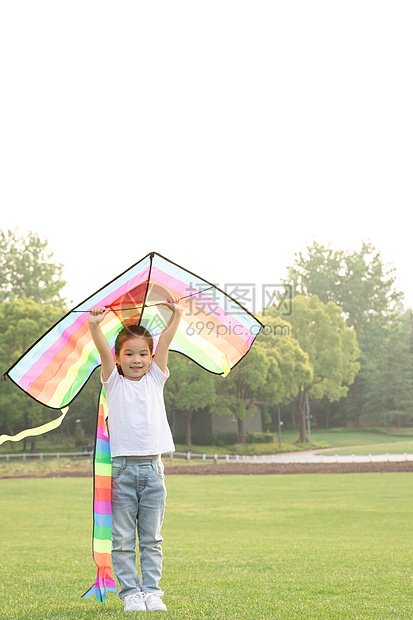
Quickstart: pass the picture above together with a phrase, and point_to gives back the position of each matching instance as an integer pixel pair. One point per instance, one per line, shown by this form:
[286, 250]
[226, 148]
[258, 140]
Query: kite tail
[102, 585]
[102, 509]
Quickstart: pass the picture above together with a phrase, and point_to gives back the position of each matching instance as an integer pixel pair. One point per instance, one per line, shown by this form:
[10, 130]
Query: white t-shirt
[138, 425]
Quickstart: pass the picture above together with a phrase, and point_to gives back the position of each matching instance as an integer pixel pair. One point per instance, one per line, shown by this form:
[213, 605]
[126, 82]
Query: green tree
[289, 365]
[359, 282]
[28, 270]
[331, 347]
[22, 322]
[84, 408]
[189, 389]
[396, 365]
[238, 391]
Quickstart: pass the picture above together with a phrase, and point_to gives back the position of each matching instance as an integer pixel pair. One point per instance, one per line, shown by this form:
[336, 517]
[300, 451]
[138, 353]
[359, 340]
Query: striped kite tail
[102, 509]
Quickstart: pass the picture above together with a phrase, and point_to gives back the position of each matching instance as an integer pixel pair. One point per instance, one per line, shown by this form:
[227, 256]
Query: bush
[260, 437]
[203, 440]
[225, 439]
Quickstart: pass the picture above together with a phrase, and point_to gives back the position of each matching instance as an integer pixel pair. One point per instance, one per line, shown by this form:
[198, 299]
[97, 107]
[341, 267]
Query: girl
[138, 433]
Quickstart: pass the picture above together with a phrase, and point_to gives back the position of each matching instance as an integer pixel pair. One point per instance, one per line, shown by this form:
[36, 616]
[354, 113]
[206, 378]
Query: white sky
[225, 135]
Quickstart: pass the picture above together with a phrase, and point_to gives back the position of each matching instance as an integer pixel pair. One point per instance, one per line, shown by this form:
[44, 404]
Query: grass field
[344, 437]
[353, 441]
[342, 440]
[384, 447]
[251, 547]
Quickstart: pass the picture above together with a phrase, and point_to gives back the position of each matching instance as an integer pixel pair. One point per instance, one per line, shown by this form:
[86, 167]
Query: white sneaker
[134, 602]
[153, 602]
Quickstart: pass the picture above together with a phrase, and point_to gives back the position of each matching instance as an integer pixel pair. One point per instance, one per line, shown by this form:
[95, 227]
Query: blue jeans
[138, 505]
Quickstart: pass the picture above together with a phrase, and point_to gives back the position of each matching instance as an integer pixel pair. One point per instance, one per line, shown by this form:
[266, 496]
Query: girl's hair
[131, 331]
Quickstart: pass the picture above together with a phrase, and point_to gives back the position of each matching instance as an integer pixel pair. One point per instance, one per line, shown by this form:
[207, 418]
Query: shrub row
[260, 437]
[229, 439]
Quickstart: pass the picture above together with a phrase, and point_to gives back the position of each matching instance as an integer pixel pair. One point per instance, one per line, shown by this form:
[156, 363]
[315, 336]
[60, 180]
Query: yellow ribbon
[39, 430]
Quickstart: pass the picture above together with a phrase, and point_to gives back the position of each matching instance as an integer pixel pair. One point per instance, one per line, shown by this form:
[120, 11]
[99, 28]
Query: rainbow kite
[215, 332]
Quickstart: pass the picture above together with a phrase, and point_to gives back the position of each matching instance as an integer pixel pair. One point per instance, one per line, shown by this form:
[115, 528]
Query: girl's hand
[96, 315]
[174, 304]
[168, 333]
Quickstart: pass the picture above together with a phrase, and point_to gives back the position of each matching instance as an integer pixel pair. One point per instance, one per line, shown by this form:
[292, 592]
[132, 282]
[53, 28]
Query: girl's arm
[96, 316]
[166, 337]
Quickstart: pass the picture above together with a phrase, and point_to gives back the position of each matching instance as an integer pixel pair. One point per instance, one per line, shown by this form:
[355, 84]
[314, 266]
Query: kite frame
[150, 255]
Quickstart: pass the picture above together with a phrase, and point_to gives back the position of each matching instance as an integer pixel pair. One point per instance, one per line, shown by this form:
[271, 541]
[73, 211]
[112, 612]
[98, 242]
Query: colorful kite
[215, 332]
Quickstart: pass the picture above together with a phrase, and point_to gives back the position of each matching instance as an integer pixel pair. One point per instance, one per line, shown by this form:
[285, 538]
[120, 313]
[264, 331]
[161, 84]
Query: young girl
[138, 434]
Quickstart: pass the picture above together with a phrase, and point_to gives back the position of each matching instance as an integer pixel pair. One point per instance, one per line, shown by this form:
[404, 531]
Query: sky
[225, 135]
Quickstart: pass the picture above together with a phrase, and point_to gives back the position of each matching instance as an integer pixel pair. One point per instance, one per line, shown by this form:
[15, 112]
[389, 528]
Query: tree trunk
[173, 421]
[188, 416]
[293, 422]
[240, 433]
[303, 411]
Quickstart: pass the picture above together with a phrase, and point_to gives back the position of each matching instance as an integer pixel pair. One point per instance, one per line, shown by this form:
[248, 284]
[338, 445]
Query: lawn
[354, 441]
[251, 547]
[339, 441]
[384, 447]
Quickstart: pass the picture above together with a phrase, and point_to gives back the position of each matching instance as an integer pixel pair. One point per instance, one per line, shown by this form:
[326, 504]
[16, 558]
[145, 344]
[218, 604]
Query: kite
[215, 331]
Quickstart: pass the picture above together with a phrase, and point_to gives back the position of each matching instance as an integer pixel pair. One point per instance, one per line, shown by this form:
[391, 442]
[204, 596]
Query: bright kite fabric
[215, 330]
[102, 509]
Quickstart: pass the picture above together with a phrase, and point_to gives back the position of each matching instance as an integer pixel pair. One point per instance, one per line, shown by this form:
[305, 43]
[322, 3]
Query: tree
[331, 347]
[358, 282]
[239, 390]
[289, 364]
[189, 389]
[28, 270]
[84, 407]
[22, 322]
[364, 288]
[396, 365]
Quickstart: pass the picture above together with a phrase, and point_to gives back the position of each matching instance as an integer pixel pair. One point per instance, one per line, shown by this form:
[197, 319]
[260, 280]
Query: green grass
[251, 547]
[399, 447]
[51, 442]
[349, 441]
[347, 437]
[246, 449]
[34, 468]
[344, 441]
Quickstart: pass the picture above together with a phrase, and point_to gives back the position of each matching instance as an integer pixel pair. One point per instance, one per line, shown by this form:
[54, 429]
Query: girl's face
[134, 358]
